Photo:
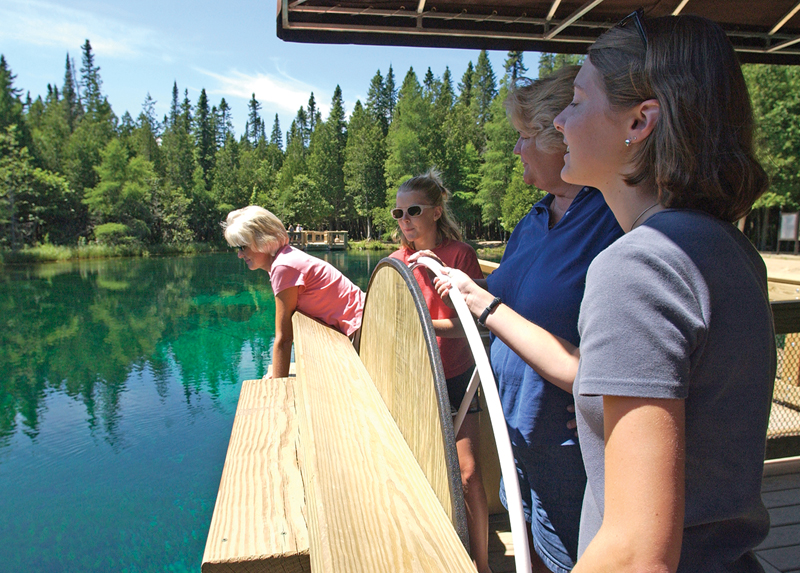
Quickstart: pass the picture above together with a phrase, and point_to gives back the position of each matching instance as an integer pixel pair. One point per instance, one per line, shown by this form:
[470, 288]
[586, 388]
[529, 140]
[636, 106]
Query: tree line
[72, 172]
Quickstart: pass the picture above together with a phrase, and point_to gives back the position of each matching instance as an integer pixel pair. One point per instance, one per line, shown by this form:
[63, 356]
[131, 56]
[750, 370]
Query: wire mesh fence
[785, 416]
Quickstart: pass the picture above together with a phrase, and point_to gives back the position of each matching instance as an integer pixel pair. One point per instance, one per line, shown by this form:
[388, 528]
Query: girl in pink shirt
[299, 281]
[425, 224]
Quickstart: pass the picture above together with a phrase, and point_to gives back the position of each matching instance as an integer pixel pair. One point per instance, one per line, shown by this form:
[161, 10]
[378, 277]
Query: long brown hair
[700, 154]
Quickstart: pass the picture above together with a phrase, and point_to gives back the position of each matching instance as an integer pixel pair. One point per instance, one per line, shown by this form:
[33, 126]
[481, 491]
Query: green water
[118, 386]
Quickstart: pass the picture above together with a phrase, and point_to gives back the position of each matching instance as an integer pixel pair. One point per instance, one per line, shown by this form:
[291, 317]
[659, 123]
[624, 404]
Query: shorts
[457, 389]
[552, 481]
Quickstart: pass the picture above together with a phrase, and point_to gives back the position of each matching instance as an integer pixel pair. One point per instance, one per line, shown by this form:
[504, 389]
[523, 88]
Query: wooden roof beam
[571, 18]
[553, 8]
[785, 19]
[680, 7]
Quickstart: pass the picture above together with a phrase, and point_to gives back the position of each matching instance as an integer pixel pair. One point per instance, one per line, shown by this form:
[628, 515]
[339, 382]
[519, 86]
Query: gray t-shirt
[678, 308]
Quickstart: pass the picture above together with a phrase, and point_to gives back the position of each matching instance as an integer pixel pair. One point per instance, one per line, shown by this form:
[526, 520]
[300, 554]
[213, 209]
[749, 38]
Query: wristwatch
[489, 310]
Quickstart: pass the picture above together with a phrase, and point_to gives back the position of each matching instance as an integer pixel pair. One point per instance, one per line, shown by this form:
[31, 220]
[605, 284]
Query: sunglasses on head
[637, 17]
[413, 211]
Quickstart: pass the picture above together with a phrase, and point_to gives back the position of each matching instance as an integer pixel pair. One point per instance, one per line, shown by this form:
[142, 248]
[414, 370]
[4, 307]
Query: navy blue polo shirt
[542, 277]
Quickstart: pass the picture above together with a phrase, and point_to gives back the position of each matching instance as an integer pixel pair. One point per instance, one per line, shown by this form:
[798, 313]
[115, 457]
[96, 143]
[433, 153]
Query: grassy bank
[53, 253]
[491, 251]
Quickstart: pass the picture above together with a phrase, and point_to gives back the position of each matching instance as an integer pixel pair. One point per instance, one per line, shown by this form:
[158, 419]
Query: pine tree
[276, 138]
[204, 137]
[10, 103]
[223, 123]
[514, 68]
[429, 85]
[311, 113]
[253, 127]
[71, 102]
[90, 79]
[485, 86]
[149, 115]
[174, 106]
[376, 102]
[301, 126]
[390, 94]
[465, 86]
[185, 117]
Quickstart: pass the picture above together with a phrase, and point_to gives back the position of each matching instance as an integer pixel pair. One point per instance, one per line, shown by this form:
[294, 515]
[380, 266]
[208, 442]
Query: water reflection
[83, 328]
[118, 385]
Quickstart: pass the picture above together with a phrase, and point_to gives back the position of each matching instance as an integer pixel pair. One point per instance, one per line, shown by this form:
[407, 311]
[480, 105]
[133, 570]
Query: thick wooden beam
[370, 507]
[259, 521]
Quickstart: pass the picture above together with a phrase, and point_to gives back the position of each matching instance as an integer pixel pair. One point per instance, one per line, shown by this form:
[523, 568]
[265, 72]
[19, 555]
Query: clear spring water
[118, 386]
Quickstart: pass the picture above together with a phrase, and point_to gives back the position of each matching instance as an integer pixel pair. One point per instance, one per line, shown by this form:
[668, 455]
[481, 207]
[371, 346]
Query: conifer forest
[73, 172]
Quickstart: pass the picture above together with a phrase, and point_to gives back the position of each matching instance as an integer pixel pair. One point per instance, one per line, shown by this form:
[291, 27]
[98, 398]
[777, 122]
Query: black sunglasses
[240, 247]
[637, 16]
[413, 211]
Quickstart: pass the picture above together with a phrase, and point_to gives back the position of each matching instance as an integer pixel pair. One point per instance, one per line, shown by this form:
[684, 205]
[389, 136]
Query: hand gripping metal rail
[483, 374]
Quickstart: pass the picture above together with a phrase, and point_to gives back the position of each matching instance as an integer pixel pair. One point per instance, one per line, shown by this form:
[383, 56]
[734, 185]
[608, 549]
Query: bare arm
[642, 526]
[552, 357]
[285, 305]
[448, 327]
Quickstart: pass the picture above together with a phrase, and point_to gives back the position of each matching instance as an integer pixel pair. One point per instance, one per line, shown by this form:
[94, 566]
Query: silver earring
[629, 141]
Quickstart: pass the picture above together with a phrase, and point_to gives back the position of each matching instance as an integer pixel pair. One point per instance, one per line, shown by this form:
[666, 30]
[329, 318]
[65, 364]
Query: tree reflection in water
[82, 329]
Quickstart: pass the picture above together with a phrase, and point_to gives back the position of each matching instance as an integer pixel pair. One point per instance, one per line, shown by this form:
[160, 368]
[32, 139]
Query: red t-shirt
[455, 352]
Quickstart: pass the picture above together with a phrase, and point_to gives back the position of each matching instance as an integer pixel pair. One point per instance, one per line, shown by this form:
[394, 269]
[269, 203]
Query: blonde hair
[531, 106]
[257, 228]
[700, 154]
[436, 194]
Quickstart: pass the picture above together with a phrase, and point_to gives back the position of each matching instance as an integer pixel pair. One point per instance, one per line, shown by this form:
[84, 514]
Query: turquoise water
[118, 385]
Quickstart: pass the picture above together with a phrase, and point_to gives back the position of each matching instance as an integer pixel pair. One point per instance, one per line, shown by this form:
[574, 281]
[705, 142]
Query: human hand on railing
[425, 253]
[476, 298]
[268, 375]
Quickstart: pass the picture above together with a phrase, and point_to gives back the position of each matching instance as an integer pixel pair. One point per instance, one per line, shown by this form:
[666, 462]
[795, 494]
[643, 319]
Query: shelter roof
[762, 31]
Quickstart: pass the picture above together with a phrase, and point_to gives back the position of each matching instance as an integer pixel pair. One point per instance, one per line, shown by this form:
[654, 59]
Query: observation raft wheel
[399, 350]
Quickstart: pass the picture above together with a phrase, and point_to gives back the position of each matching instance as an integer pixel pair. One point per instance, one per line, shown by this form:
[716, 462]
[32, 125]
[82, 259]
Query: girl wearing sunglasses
[425, 223]
[300, 281]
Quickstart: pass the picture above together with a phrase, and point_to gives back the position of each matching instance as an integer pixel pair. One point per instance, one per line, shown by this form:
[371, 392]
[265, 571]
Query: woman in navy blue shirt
[535, 295]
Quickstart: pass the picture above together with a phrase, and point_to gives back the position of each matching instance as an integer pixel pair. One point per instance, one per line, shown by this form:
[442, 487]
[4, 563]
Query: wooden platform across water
[290, 504]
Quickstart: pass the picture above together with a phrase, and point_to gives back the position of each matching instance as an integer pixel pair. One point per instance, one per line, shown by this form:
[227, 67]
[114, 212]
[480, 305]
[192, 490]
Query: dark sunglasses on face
[637, 18]
[240, 248]
[413, 211]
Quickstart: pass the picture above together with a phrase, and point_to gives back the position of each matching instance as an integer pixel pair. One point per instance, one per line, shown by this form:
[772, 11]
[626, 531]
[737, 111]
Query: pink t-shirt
[455, 352]
[324, 292]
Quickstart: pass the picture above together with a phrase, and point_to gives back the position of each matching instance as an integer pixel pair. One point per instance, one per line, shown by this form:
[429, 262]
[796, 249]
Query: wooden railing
[319, 478]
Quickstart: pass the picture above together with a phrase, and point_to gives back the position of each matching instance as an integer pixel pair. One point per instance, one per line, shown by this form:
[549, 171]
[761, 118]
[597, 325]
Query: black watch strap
[488, 310]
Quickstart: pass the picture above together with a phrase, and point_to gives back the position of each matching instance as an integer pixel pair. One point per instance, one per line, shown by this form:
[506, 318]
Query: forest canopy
[72, 172]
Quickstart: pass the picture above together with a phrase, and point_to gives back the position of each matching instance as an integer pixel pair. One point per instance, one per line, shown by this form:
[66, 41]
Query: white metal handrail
[483, 375]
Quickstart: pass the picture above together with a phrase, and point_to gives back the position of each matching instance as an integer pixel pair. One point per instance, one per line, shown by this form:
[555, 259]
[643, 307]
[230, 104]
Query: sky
[229, 48]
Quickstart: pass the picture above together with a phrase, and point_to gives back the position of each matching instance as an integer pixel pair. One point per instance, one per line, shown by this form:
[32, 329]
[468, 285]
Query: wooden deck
[779, 553]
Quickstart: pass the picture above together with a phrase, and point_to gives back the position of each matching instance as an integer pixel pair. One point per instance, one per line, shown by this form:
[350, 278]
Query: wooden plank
[259, 521]
[487, 267]
[370, 507]
[399, 351]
